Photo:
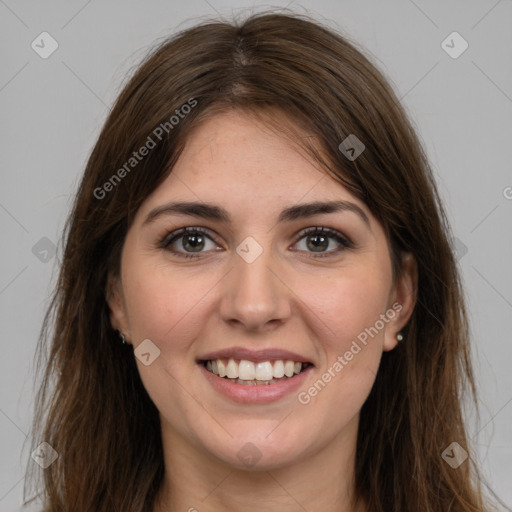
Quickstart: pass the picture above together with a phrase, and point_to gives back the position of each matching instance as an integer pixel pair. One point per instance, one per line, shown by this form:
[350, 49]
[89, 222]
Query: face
[263, 282]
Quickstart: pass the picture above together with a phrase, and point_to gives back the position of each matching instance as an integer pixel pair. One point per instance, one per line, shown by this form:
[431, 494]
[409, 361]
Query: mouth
[255, 373]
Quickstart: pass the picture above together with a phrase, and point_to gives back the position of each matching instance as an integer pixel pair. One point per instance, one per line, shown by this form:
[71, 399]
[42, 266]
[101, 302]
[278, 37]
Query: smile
[247, 372]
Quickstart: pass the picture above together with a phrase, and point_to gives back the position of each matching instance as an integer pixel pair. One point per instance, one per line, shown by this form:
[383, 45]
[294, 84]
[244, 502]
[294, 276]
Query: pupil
[195, 239]
[316, 242]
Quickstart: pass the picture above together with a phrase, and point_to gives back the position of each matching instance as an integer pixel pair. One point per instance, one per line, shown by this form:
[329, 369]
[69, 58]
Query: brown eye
[185, 242]
[319, 239]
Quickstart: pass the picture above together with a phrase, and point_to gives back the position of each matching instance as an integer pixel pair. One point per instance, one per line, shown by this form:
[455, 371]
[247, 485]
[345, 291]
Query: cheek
[161, 304]
[348, 305]
[165, 309]
[351, 346]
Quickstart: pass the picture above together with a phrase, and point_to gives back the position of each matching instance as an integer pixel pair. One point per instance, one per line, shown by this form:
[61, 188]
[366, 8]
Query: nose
[255, 297]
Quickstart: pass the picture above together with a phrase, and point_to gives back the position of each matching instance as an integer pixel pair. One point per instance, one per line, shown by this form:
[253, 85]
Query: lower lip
[255, 393]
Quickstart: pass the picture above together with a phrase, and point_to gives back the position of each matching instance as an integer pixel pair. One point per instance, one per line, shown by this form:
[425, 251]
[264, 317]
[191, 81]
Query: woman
[258, 306]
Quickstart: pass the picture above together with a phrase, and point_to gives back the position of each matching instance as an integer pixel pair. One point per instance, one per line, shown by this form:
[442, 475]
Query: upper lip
[254, 355]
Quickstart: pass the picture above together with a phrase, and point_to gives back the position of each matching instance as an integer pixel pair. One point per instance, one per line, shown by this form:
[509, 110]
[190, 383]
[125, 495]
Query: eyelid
[323, 230]
[178, 233]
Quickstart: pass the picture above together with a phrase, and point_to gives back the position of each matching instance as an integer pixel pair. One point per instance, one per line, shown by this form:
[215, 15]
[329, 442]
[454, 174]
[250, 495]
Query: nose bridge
[255, 294]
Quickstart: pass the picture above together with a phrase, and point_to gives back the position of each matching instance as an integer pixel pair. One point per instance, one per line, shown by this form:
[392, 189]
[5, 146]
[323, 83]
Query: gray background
[52, 110]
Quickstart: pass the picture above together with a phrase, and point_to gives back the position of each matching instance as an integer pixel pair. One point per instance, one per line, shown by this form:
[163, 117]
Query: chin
[259, 451]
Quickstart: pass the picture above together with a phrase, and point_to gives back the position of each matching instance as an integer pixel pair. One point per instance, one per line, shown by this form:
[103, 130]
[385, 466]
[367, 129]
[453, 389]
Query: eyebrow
[217, 213]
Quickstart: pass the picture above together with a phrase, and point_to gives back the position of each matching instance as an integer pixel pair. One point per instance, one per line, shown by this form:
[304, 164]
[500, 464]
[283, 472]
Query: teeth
[278, 369]
[254, 382]
[221, 368]
[244, 370]
[264, 371]
[289, 368]
[232, 370]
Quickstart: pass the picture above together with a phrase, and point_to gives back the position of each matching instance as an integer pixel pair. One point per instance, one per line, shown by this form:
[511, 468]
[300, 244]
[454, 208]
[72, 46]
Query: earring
[122, 338]
[399, 336]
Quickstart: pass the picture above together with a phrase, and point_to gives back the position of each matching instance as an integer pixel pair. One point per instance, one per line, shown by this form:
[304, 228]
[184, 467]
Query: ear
[402, 300]
[117, 306]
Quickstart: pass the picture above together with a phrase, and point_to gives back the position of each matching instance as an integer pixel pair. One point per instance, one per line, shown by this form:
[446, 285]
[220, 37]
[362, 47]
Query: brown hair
[92, 407]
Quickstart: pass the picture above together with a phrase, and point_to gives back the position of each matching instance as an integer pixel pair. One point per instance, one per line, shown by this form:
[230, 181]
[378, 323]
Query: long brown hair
[92, 408]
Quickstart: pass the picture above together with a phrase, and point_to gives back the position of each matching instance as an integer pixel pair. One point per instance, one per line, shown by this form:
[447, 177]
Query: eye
[189, 242]
[192, 239]
[318, 238]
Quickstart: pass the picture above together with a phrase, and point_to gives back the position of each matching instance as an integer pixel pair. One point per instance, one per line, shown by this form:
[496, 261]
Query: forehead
[233, 157]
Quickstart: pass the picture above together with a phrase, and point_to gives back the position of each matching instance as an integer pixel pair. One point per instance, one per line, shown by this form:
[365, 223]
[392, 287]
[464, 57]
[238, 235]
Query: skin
[289, 297]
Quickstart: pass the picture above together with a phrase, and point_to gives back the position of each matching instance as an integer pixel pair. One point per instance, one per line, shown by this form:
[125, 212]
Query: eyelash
[169, 238]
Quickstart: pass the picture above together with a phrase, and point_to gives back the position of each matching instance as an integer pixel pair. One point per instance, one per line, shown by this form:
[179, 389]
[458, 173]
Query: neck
[197, 482]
